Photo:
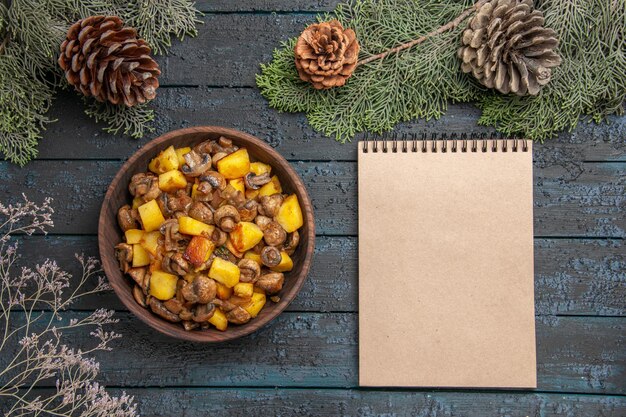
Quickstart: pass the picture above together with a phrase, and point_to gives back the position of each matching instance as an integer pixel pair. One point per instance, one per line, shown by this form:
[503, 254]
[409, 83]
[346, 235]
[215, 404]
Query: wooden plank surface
[310, 351]
[78, 137]
[585, 201]
[248, 402]
[572, 276]
[574, 354]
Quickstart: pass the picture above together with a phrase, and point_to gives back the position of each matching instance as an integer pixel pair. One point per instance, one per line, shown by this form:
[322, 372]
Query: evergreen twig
[31, 32]
[407, 45]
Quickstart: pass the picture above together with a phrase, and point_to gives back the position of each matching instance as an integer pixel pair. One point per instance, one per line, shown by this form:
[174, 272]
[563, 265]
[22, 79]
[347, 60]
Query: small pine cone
[326, 54]
[104, 59]
[506, 47]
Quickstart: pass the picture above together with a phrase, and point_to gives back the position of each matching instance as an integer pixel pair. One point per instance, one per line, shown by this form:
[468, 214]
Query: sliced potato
[254, 256]
[151, 216]
[272, 187]
[290, 214]
[167, 160]
[238, 184]
[286, 263]
[223, 292]
[150, 241]
[191, 226]
[141, 257]
[198, 250]
[163, 285]
[137, 201]
[180, 153]
[218, 319]
[235, 165]
[243, 289]
[172, 181]
[245, 236]
[259, 168]
[256, 304]
[225, 272]
[133, 236]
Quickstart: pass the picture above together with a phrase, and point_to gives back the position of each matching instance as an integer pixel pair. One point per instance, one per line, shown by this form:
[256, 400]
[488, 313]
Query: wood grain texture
[572, 276]
[588, 201]
[289, 133]
[117, 195]
[574, 354]
[252, 402]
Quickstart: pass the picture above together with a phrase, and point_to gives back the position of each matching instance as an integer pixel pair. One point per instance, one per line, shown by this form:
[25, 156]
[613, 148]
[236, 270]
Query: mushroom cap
[126, 218]
[226, 217]
[159, 309]
[254, 182]
[124, 254]
[215, 179]
[196, 164]
[270, 256]
[274, 234]
[291, 243]
[238, 315]
[249, 270]
[201, 212]
[203, 312]
[201, 290]
[270, 204]
[271, 282]
[249, 211]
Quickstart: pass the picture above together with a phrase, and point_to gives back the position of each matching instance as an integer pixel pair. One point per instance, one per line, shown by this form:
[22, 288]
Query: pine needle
[31, 32]
[420, 82]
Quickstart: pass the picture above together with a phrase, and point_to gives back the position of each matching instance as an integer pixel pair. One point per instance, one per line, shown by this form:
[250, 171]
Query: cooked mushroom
[274, 234]
[262, 221]
[270, 204]
[258, 248]
[218, 237]
[172, 238]
[203, 312]
[233, 196]
[291, 243]
[180, 202]
[201, 211]
[216, 199]
[173, 305]
[202, 290]
[190, 325]
[124, 254]
[196, 164]
[127, 218]
[225, 143]
[271, 282]
[139, 296]
[214, 179]
[248, 212]
[175, 263]
[270, 256]
[185, 314]
[254, 182]
[217, 156]
[249, 270]
[144, 185]
[138, 275]
[238, 315]
[226, 218]
[159, 309]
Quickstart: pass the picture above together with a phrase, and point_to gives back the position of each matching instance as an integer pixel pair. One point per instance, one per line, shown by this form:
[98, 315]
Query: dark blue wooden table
[305, 362]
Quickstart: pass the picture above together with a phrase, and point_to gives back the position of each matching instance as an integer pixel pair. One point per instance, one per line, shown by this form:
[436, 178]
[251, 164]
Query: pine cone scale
[506, 47]
[104, 59]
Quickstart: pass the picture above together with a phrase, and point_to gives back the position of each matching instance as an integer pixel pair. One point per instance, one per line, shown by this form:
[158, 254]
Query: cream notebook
[446, 264]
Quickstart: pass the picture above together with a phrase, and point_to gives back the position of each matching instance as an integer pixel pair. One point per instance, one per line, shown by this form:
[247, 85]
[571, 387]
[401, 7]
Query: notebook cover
[446, 294]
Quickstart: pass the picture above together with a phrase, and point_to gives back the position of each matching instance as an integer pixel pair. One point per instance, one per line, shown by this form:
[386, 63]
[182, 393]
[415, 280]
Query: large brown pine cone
[104, 59]
[326, 54]
[506, 47]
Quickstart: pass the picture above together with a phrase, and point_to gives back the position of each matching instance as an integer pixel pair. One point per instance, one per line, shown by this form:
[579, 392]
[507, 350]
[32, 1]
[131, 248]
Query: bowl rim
[174, 329]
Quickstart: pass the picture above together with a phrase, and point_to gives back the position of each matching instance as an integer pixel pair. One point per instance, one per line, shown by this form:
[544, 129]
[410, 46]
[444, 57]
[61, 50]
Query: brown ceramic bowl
[109, 233]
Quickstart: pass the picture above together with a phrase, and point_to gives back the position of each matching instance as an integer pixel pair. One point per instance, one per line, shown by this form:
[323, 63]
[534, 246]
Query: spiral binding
[435, 142]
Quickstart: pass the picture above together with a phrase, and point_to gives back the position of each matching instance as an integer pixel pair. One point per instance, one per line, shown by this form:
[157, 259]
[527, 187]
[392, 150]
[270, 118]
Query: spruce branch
[407, 45]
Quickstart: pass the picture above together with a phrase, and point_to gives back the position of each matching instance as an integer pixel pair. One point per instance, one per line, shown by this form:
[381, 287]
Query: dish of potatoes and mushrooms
[208, 236]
